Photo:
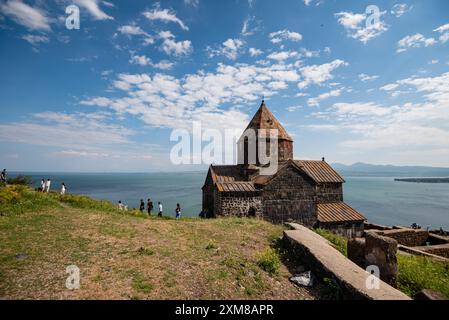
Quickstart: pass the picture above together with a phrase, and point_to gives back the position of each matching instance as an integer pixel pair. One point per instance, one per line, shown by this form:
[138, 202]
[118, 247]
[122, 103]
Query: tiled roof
[236, 187]
[264, 119]
[337, 212]
[226, 173]
[320, 171]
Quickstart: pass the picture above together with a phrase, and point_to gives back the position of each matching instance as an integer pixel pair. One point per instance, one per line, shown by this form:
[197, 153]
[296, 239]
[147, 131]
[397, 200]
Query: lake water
[381, 200]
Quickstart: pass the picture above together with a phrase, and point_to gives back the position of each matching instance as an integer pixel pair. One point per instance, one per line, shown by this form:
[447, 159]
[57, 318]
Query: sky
[349, 81]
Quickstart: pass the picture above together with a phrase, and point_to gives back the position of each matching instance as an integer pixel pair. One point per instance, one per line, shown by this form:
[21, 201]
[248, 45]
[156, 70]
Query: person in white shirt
[48, 185]
[120, 205]
[43, 185]
[160, 209]
[63, 189]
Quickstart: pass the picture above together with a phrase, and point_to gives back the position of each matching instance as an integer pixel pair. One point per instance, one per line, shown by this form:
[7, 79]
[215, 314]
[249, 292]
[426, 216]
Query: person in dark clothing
[142, 206]
[3, 176]
[150, 207]
[178, 211]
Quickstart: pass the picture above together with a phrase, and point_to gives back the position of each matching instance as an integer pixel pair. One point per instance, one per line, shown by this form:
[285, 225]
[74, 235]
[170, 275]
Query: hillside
[367, 170]
[125, 256]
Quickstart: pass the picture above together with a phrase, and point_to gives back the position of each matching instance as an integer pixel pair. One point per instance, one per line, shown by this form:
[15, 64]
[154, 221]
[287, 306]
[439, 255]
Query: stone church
[306, 191]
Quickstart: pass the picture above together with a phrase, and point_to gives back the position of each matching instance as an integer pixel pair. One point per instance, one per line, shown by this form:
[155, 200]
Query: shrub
[416, 273]
[9, 195]
[340, 243]
[18, 199]
[269, 261]
[20, 180]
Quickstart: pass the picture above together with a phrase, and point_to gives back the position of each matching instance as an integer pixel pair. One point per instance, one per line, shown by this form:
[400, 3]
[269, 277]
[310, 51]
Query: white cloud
[400, 9]
[413, 128]
[255, 52]
[172, 47]
[164, 101]
[279, 36]
[76, 131]
[30, 17]
[145, 61]
[230, 49]
[365, 77]
[317, 74]
[164, 15]
[35, 39]
[283, 55]
[414, 41]
[94, 9]
[247, 30]
[389, 87]
[355, 25]
[444, 30]
[315, 102]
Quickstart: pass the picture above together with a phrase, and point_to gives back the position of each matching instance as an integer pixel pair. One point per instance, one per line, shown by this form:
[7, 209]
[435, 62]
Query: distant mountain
[364, 169]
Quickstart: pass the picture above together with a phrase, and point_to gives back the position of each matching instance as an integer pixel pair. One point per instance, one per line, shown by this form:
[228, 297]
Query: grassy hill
[129, 256]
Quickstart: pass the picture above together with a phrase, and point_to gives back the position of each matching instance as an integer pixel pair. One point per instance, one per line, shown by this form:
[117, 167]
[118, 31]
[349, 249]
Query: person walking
[63, 189]
[178, 211]
[161, 209]
[43, 185]
[47, 185]
[142, 206]
[150, 207]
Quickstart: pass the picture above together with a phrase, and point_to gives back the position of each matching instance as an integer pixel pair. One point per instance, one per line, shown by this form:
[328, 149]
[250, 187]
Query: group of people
[46, 185]
[150, 207]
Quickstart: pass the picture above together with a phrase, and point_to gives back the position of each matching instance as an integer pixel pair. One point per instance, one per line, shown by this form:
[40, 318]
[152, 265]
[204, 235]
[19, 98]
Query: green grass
[416, 273]
[122, 256]
[339, 242]
[269, 260]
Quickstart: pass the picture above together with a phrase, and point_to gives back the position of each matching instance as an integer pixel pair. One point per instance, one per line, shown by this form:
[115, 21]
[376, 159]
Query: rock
[356, 251]
[305, 279]
[381, 252]
[21, 256]
[428, 294]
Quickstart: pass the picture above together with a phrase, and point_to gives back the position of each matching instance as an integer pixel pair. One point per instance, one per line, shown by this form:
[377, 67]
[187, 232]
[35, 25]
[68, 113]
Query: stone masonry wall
[290, 196]
[329, 192]
[407, 237]
[240, 204]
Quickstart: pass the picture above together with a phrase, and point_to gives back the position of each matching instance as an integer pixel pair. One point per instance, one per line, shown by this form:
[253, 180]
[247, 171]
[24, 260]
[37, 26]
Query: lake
[381, 199]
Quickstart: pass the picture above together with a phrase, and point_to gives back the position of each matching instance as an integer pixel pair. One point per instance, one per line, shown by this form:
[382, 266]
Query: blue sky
[106, 97]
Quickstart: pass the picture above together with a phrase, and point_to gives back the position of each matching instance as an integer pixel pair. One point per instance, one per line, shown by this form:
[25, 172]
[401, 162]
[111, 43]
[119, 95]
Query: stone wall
[441, 250]
[290, 197]
[329, 192]
[240, 205]
[407, 237]
[324, 261]
[347, 229]
[381, 252]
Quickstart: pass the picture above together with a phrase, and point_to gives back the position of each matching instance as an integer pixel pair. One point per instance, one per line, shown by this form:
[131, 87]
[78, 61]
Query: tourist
[120, 205]
[160, 209]
[142, 206]
[43, 185]
[150, 207]
[178, 211]
[47, 185]
[3, 176]
[63, 189]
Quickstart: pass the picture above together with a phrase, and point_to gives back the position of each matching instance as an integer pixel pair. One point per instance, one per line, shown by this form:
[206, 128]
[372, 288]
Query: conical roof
[264, 119]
